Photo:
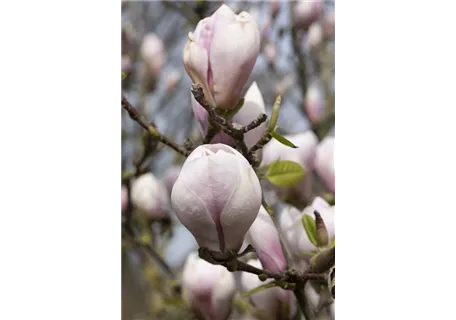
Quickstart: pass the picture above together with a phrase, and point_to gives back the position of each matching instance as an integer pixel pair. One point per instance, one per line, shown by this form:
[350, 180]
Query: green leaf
[275, 114]
[258, 289]
[285, 173]
[124, 75]
[333, 242]
[282, 139]
[309, 225]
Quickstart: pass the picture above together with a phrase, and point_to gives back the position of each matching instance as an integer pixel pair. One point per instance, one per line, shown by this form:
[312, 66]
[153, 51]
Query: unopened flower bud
[124, 196]
[264, 237]
[305, 12]
[322, 233]
[324, 163]
[149, 196]
[314, 103]
[294, 235]
[209, 289]
[152, 52]
[220, 55]
[270, 302]
[315, 36]
[323, 260]
[170, 177]
[274, 7]
[217, 197]
[329, 25]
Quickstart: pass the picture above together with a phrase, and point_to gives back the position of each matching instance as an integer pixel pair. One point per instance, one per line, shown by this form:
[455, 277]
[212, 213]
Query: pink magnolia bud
[314, 103]
[314, 36]
[124, 196]
[305, 12]
[217, 196]
[152, 52]
[270, 52]
[329, 25]
[268, 302]
[264, 237]
[172, 81]
[209, 289]
[220, 55]
[294, 235]
[148, 196]
[304, 154]
[275, 7]
[252, 108]
[170, 177]
[324, 163]
[126, 64]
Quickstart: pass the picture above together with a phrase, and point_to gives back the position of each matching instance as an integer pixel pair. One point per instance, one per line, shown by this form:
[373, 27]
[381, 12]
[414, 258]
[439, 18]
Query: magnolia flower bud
[172, 81]
[324, 163]
[148, 196]
[294, 234]
[208, 288]
[220, 55]
[270, 52]
[152, 52]
[126, 64]
[313, 103]
[124, 196]
[329, 25]
[304, 155]
[263, 236]
[170, 177]
[269, 302]
[275, 7]
[315, 36]
[217, 196]
[252, 108]
[305, 12]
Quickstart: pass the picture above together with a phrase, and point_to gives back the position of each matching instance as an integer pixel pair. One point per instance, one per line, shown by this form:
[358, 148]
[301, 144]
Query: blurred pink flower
[149, 196]
[152, 52]
[324, 163]
[305, 12]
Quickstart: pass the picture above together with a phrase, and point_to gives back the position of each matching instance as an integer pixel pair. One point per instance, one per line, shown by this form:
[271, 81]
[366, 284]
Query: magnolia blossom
[305, 12]
[329, 24]
[152, 52]
[124, 197]
[314, 103]
[274, 7]
[220, 55]
[263, 236]
[269, 302]
[172, 81]
[126, 63]
[270, 52]
[149, 196]
[208, 288]
[290, 222]
[324, 163]
[315, 36]
[252, 108]
[304, 155]
[170, 177]
[217, 196]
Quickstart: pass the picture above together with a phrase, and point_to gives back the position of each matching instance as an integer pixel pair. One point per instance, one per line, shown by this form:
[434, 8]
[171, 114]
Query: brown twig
[133, 113]
[234, 130]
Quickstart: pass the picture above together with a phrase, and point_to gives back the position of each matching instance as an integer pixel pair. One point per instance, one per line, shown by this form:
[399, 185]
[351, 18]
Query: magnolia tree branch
[129, 236]
[151, 129]
[234, 130]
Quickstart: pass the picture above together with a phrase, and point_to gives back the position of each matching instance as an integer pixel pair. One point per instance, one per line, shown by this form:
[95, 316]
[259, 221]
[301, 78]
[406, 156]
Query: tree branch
[152, 130]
